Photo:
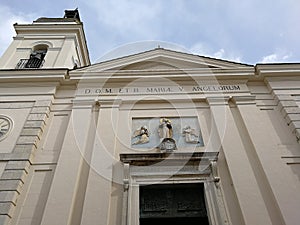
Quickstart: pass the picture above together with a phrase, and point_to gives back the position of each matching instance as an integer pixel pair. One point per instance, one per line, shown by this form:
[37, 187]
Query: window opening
[36, 58]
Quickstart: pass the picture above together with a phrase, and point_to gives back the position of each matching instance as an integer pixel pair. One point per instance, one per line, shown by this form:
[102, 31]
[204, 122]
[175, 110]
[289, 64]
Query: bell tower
[48, 43]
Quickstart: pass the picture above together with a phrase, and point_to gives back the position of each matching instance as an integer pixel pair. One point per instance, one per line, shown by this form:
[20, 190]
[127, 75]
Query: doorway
[175, 204]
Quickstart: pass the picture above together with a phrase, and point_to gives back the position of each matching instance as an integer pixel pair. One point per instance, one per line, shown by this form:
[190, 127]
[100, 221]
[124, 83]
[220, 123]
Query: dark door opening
[174, 221]
[176, 204]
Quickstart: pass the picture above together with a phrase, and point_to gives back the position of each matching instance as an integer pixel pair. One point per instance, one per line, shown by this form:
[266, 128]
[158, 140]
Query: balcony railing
[30, 63]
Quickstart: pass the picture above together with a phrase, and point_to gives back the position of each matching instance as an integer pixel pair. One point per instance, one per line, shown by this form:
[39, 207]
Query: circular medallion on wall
[5, 126]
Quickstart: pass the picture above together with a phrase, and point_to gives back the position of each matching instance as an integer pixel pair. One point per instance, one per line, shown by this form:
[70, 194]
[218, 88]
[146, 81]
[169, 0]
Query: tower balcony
[30, 63]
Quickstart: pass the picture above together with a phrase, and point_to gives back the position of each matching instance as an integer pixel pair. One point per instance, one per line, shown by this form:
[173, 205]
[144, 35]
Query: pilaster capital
[109, 103]
[244, 100]
[214, 101]
[83, 103]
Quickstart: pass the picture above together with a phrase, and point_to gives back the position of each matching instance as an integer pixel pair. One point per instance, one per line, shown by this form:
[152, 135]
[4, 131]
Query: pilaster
[102, 162]
[66, 189]
[276, 176]
[245, 184]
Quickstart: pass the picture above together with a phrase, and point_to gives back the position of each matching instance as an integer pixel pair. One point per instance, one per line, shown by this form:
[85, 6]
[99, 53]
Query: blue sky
[243, 31]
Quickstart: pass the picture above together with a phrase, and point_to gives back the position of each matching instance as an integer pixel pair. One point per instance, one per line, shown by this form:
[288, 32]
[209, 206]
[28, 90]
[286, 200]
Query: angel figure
[142, 134]
[190, 135]
[165, 128]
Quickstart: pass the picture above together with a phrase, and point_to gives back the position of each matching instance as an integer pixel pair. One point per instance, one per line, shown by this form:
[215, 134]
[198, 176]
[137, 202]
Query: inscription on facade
[163, 89]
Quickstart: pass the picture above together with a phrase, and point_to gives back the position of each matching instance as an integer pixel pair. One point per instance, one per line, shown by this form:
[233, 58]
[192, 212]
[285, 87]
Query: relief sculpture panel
[166, 133]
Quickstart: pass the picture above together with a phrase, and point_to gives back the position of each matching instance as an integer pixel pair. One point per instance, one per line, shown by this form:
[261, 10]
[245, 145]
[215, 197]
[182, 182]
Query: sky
[251, 31]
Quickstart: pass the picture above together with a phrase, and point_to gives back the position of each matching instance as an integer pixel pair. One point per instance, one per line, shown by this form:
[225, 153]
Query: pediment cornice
[163, 63]
[172, 58]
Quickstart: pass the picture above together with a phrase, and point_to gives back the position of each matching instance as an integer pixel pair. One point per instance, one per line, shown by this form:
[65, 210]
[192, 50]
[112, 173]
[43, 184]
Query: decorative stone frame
[171, 168]
[10, 121]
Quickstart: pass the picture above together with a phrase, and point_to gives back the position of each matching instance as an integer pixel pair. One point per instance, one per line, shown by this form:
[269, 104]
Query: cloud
[127, 17]
[7, 19]
[248, 31]
[236, 32]
[206, 50]
[276, 57]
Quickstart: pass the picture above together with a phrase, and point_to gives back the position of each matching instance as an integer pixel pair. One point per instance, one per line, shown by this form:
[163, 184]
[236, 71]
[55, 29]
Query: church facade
[160, 136]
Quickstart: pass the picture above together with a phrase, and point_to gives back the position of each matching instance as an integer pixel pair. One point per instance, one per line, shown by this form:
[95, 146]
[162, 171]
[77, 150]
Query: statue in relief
[165, 132]
[142, 134]
[165, 128]
[190, 135]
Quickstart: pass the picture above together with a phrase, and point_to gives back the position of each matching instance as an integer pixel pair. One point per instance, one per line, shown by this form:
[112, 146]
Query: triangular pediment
[162, 59]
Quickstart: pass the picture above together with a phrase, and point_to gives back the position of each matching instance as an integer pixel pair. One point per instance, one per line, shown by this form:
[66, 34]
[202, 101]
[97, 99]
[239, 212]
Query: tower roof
[69, 16]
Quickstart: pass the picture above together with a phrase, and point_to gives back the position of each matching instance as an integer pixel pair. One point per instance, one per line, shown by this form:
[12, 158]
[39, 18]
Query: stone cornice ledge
[12, 75]
[149, 158]
[175, 73]
[277, 69]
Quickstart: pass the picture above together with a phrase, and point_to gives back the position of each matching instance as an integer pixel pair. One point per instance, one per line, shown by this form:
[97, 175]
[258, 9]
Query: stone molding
[149, 158]
[178, 167]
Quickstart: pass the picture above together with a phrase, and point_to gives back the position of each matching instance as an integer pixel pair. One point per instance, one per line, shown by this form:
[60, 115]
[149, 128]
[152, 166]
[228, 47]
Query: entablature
[140, 159]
